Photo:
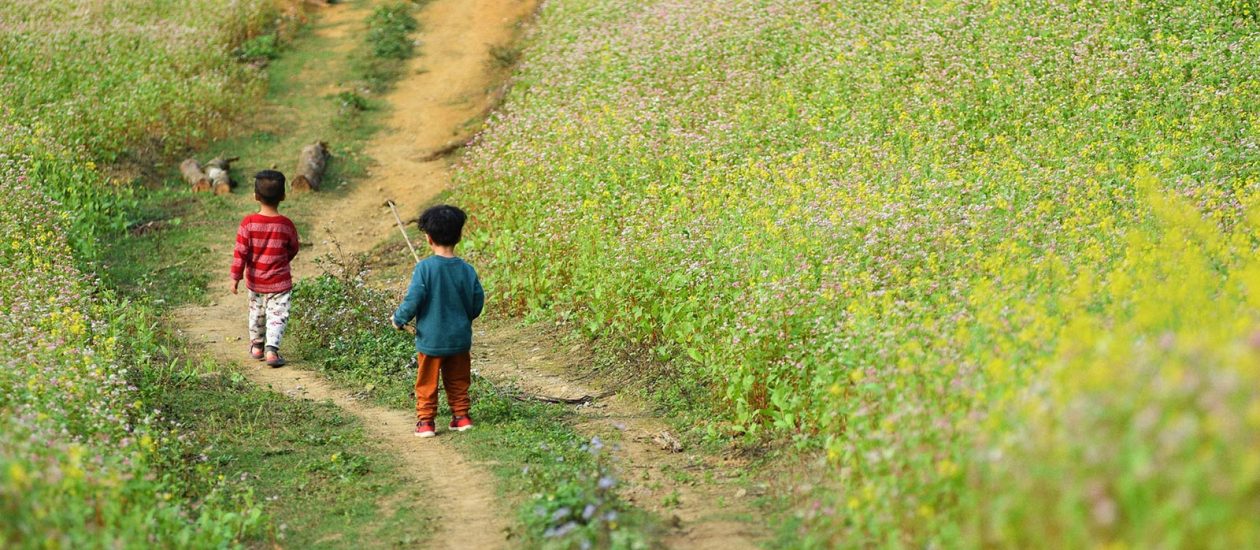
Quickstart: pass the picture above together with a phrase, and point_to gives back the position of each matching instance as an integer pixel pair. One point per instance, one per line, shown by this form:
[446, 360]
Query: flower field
[107, 76]
[84, 462]
[994, 262]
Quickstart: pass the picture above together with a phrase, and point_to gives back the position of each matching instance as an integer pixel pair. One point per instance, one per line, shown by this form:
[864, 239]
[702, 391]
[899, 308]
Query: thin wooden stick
[402, 230]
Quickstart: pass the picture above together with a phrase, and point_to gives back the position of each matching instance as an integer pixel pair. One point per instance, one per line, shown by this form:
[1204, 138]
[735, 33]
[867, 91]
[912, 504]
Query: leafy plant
[262, 47]
[352, 102]
[389, 30]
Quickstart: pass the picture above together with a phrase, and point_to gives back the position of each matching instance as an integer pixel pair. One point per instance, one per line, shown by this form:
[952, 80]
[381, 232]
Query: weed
[264, 47]
[505, 56]
[389, 31]
[352, 102]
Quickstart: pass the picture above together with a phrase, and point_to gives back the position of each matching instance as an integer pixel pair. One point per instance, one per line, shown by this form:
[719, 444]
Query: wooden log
[311, 166]
[218, 169]
[191, 170]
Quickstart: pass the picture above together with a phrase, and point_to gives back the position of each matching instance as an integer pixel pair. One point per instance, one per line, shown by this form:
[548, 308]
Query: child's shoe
[256, 350]
[461, 423]
[426, 428]
[273, 358]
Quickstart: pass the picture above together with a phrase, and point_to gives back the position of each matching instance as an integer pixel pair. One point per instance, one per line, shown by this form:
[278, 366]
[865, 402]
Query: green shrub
[352, 102]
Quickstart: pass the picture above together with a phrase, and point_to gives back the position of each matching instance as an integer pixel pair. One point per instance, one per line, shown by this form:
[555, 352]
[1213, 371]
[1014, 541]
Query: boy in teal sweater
[444, 297]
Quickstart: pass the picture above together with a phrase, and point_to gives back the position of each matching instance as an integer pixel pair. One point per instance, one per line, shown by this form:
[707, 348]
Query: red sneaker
[461, 423]
[426, 428]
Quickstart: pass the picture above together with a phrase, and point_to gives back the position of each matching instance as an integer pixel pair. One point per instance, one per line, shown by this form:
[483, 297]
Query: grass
[86, 460]
[380, 60]
[174, 77]
[167, 495]
[977, 260]
[319, 478]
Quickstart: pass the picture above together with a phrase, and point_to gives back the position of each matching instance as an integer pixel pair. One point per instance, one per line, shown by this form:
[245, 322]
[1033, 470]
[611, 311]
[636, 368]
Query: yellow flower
[17, 474]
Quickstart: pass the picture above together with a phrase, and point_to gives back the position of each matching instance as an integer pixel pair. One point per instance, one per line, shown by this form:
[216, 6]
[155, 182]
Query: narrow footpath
[442, 94]
[441, 89]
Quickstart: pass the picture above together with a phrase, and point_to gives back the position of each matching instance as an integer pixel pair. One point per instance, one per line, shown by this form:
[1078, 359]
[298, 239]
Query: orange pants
[456, 371]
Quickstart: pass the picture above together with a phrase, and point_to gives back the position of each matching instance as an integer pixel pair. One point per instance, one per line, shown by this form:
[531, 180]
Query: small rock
[741, 493]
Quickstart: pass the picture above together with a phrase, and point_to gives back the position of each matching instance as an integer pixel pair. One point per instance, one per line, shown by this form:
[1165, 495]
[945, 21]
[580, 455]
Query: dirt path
[449, 83]
[699, 493]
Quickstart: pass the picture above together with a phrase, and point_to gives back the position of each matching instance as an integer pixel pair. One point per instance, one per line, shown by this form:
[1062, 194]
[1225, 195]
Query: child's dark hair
[269, 187]
[443, 223]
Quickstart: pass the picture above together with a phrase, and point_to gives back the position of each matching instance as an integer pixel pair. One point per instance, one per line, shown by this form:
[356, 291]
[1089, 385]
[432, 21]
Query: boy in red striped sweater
[266, 243]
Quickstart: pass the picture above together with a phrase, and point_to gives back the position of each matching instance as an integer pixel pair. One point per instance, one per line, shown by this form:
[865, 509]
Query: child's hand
[394, 324]
[236, 285]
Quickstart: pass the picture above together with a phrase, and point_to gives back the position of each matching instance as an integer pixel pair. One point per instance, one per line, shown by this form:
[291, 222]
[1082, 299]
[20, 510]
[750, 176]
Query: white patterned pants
[268, 314]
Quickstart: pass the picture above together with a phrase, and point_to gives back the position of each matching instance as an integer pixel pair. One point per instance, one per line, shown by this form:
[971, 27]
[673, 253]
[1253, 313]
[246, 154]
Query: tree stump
[191, 170]
[311, 166]
[217, 170]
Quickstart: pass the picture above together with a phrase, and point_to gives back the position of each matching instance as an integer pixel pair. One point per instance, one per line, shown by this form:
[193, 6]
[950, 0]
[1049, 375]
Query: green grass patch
[165, 254]
[380, 60]
[389, 30]
[318, 477]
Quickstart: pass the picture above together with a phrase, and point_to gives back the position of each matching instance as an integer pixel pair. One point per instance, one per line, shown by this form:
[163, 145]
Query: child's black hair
[443, 223]
[269, 187]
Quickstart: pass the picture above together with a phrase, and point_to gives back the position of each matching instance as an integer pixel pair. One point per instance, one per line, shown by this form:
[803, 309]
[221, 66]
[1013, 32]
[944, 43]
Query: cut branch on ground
[194, 175]
[217, 169]
[311, 167]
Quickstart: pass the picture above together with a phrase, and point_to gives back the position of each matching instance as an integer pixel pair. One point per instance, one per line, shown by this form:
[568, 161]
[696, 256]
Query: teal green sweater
[444, 297]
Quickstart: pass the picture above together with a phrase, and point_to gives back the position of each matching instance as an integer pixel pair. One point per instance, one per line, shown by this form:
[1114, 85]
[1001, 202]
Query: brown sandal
[276, 361]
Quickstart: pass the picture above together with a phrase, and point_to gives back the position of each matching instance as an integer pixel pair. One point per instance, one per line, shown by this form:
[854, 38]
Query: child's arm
[416, 292]
[240, 256]
[479, 299]
[294, 243]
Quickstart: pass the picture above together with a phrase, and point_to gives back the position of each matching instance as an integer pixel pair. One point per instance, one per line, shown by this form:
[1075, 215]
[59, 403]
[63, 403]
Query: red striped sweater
[264, 247]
